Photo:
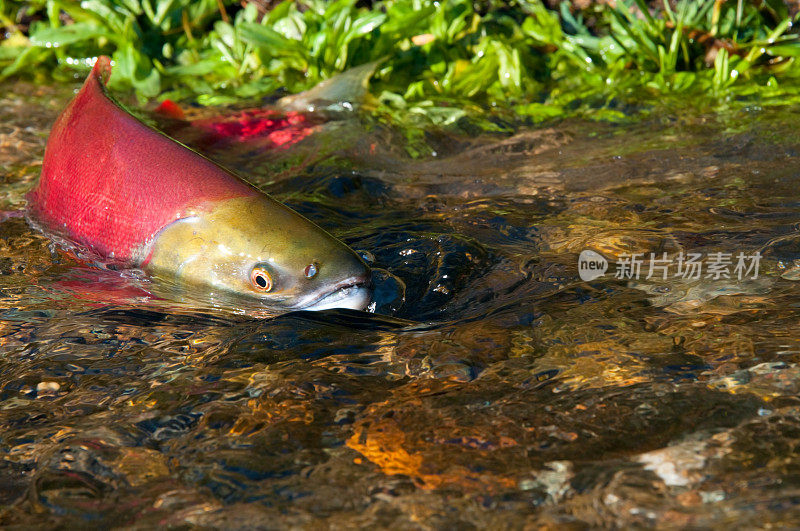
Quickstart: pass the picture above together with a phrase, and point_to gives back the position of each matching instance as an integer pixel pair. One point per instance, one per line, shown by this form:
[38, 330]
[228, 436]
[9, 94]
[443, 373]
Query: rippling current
[490, 387]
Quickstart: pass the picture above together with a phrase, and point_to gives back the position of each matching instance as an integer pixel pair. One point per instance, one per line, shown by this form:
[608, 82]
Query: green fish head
[256, 248]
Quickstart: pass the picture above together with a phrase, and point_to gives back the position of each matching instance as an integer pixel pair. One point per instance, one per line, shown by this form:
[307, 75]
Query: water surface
[490, 387]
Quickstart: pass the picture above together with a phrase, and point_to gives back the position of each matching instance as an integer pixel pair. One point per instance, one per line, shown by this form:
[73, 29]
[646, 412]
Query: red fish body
[265, 128]
[128, 193]
[291, 120]
[111, 183]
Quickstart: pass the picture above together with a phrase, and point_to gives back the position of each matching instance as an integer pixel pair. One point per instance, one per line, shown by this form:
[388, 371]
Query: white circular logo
[591, 265]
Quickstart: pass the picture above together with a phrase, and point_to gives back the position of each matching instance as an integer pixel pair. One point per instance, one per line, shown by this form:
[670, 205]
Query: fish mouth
[353, 293]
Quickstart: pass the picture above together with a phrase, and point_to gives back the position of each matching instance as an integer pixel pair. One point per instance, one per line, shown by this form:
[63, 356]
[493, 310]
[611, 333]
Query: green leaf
[791, 49]
[366, 24]
[28, 57]
[269, 39]
[64, 35]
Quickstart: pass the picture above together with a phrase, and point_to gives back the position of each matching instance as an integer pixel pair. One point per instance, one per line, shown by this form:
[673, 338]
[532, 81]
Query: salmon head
[128, 193]
[254, 247]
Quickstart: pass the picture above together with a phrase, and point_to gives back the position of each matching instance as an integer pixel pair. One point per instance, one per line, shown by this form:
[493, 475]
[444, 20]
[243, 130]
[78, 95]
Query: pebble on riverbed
[47, 388]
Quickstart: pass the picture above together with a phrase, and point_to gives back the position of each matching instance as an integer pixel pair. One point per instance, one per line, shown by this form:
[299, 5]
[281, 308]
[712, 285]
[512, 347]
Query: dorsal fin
[110, 182]
[101, 71]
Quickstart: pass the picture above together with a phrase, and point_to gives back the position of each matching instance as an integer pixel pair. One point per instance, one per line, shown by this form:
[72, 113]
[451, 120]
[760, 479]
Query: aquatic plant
[444, 60]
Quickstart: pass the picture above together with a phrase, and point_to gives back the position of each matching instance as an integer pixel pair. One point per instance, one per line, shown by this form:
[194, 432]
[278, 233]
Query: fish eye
[261, 279]
[311, 270]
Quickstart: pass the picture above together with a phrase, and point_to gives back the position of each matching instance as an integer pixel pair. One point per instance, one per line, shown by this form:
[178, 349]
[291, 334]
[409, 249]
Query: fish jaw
[354, 293]
[216, 248]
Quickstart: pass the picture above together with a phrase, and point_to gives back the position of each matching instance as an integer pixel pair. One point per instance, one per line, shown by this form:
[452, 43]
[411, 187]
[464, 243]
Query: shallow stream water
[490, 387]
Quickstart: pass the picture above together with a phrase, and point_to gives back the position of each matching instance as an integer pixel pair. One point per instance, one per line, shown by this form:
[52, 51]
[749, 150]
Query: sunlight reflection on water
[492, 387]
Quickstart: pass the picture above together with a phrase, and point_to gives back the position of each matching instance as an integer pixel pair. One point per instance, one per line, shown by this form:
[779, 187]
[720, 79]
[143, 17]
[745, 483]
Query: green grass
[444, 61]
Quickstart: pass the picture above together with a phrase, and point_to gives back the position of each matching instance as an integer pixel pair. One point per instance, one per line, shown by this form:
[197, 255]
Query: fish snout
[350, 288]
